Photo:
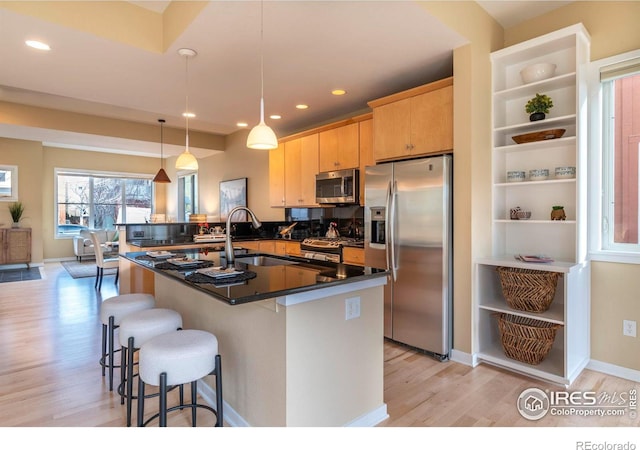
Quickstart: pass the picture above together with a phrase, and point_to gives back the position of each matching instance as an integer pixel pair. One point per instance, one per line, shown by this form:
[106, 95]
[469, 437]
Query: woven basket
[526, 340]
[526, 289]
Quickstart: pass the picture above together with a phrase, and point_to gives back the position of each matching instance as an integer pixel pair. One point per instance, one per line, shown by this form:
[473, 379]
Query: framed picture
[9, 183]
[233, 193]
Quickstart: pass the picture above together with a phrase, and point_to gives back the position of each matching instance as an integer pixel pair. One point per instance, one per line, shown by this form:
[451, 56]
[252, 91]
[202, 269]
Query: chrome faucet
[228, 246]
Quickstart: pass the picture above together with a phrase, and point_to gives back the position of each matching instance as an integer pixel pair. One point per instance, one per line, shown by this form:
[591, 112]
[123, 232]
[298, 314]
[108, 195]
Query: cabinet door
[292, 175]
[3, 241]
[391, 130]
[339, 148]
[276, 176]
[267, 246]
[308, 169]
[292, 248]
[353, 256]
[432, 121]
[366, 152]
[18, 245]
[281, 248]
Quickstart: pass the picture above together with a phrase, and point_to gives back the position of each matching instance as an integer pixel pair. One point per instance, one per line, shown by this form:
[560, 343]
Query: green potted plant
[538, 106]
[16, 209]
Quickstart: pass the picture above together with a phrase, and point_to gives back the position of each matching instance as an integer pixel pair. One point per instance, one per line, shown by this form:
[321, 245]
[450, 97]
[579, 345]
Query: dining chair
[103, 262]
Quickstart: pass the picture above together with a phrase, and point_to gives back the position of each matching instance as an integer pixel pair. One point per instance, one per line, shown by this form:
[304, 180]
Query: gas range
[328, 249]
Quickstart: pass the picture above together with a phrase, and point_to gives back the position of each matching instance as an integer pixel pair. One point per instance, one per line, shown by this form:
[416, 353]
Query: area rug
[9, 275]
[84, 269]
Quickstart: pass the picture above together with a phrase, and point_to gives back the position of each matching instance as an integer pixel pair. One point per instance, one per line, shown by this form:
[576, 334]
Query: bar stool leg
[104, 348]
[163, 399]
[129, 379]
[123, 364]
[111, 365]
[218, 371]
[194, 400]
[140, 402]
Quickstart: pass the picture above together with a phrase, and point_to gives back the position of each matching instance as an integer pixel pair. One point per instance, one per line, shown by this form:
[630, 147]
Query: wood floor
[50, 334]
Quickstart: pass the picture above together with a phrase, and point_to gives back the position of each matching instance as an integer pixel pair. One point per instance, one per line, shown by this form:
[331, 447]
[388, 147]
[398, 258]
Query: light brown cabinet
[366, 152]
[339, 148]
[414, 122]
[301, 166]
[352, 255]
[276, 177]
[15, 246]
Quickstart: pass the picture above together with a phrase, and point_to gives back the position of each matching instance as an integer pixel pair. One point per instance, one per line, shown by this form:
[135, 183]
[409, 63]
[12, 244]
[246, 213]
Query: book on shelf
[534, 258]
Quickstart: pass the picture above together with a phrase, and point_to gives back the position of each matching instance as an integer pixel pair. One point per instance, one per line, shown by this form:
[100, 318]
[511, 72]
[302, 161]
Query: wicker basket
[528, 290]
[526, 340]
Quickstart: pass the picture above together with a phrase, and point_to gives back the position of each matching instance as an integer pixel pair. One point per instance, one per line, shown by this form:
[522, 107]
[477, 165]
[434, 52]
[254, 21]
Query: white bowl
[537, 72]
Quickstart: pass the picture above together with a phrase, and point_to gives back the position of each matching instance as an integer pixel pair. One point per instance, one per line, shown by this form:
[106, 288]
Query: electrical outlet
[352, 308]
[629, 328]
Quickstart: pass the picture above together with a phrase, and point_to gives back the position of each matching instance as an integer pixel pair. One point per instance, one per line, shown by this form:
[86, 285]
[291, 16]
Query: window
[616, 107]
[187, 195]
[9, 183]
[100, 201]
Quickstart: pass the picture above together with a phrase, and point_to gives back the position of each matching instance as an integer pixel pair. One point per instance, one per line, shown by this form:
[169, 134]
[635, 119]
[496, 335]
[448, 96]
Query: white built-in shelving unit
[564, 241]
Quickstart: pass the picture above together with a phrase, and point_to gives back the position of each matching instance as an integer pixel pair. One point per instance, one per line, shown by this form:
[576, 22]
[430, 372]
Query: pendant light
[186, 160]
[161, 176]
[261, 136]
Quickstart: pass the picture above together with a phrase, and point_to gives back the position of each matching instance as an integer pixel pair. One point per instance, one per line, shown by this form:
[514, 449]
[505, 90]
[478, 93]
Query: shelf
[538, 125]
[510, 261]
[555, 313]
[533, 183]
[512, 148]
[534, 221]
[557, 82]
[551, 368]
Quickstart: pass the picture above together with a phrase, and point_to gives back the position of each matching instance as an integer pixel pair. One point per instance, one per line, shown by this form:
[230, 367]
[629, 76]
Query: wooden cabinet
[339, 148]
[15, 246]
[276, 177]
[292, 248]
[414, 122]
[352, 255]
[301, 167]
[366, 152]
[564, 241]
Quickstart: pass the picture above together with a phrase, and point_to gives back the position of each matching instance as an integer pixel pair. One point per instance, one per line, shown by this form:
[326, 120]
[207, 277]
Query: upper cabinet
[366, 152]
[339, 148]
[414, 122]
[301, 167]
[276, 177]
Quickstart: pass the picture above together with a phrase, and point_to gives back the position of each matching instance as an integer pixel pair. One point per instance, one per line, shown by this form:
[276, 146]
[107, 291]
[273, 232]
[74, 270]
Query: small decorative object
[557, 213]
[538, 106]
[538, 174]
[332, 232]
[523, 215]
[515, 176]
[539, 136]
[513, 213]
[537, 72]
[203, 228]
[16, 209]
[565, 172]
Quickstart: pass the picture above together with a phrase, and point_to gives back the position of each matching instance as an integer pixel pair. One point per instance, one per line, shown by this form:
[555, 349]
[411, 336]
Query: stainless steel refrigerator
[408, 230]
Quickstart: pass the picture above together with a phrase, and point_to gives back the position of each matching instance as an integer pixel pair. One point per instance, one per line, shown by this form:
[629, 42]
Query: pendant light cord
[186, 112]
[161, 144]
[261, 61]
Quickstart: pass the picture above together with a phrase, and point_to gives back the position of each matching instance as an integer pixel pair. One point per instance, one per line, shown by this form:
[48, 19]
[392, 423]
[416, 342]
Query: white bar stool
[112, 311]
[135, 330]
[174, 359]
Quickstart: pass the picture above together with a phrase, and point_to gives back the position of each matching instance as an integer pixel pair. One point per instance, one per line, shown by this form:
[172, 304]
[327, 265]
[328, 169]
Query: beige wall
[27, 155]
[237, 161]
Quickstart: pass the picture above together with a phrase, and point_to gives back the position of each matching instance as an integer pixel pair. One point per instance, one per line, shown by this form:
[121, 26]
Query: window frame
[600, 178]
[181, 203]
[93, 174]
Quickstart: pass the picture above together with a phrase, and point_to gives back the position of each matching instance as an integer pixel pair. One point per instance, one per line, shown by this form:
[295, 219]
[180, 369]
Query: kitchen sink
[261, 260]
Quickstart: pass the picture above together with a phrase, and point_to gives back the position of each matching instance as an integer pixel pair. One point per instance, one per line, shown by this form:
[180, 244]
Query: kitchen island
[290, 354]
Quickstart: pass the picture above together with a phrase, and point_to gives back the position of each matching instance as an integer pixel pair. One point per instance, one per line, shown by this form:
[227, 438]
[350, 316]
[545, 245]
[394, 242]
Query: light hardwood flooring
[50, 377]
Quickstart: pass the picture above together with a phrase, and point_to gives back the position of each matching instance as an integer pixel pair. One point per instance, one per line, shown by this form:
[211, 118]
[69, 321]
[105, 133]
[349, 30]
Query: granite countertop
[259, 279]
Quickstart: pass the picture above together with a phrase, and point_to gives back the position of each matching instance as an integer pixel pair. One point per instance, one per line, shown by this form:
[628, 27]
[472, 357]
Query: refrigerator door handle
[391, 226]
[387, 232]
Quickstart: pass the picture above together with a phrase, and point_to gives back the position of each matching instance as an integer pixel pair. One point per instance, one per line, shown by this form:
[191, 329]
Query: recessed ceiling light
[38, 45]
[301, 106]
[242, 124]
[190, 115]
[338, 92]
[275, 116]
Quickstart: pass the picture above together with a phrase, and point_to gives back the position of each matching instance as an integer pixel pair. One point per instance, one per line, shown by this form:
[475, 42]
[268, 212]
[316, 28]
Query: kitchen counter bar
[301, 342]
[275, 276]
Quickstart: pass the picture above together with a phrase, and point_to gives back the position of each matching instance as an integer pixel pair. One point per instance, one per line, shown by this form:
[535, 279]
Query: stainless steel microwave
[339, 187]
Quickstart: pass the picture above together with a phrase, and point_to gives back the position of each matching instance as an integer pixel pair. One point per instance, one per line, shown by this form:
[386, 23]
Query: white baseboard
[616, 371]
[231, 417]
[20, 266]
[461, 357]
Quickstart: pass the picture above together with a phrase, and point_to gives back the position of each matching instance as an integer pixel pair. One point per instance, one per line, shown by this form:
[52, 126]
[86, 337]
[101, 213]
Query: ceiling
[370, 49]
